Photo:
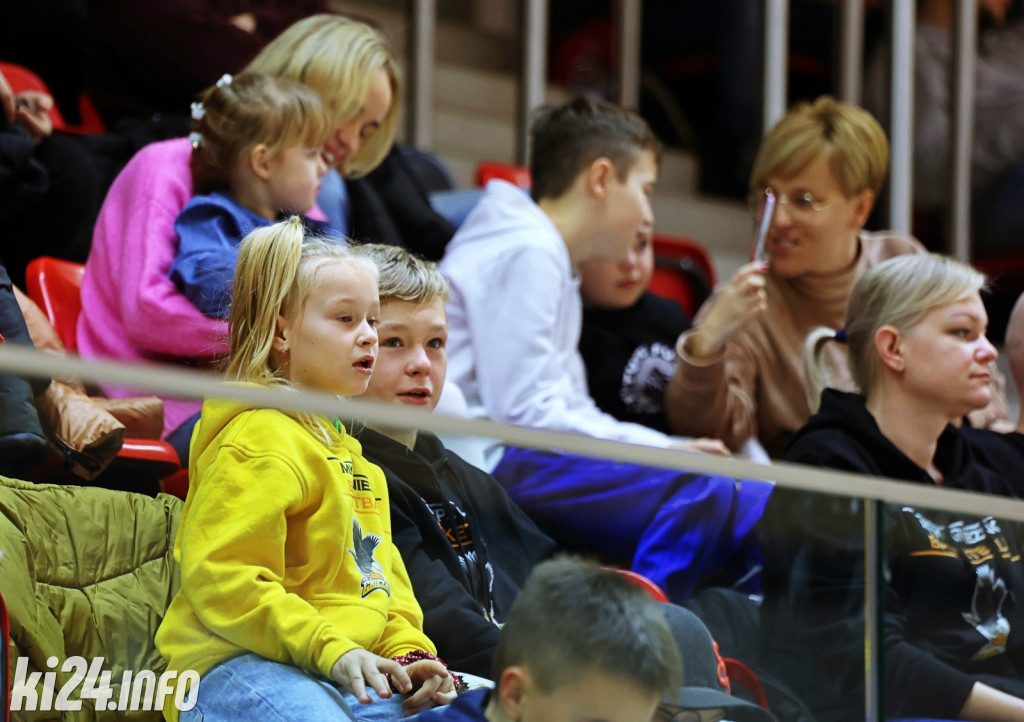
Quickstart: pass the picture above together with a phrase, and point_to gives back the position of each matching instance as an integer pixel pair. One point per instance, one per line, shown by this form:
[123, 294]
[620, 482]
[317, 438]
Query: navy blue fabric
[467, 708]
[675, 526]
[181, 438]
[210, 229]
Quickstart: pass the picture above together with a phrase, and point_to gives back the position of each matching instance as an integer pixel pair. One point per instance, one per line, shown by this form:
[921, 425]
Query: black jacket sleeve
[23, 179]
[452, 619]
[917, 684]
[390, 206]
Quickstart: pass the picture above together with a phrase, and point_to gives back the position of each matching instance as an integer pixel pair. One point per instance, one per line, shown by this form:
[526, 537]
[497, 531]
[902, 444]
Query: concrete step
[456, 42]
[475, 96]
[723, 227]
[475, 116]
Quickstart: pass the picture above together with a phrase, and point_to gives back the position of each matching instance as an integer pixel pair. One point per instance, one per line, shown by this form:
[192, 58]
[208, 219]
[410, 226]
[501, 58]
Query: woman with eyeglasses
[739, 374]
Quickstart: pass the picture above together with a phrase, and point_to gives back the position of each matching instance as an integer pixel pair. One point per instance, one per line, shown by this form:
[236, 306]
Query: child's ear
[280, 343]
[259, 161]
[889, 345]
[511, 687]
[599, 176]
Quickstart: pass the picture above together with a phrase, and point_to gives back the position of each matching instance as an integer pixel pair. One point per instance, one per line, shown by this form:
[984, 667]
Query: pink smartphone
[762, 230]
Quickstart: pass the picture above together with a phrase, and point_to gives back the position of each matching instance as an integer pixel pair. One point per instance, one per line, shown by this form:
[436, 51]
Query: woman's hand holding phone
[741, 300]
[736, 304]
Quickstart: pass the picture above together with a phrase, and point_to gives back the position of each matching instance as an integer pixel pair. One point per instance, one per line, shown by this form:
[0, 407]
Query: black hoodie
[466, 545]
[630, 355]
[953, 612]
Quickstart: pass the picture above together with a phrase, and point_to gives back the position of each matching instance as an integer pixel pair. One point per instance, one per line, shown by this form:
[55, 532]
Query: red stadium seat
[56, 286]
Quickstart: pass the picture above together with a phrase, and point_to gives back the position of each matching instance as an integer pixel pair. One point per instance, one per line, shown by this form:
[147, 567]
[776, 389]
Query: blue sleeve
[334, 202]
[204, 268]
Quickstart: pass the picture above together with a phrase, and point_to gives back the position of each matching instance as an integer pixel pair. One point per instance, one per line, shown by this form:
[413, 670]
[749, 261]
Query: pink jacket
[130, 309]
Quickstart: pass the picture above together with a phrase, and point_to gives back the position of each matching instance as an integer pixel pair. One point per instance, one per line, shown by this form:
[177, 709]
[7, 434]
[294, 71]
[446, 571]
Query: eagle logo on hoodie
[986, 614]
[364, 546]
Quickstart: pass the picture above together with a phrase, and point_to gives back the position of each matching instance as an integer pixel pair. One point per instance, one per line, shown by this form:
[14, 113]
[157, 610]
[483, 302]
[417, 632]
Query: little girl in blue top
[257, 155]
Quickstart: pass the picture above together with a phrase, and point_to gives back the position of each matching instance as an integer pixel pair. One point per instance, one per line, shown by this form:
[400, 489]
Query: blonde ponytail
[814, 365]
[268, 261]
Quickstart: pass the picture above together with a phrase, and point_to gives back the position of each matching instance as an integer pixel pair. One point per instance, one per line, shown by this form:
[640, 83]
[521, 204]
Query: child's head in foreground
[262, 137]
[598, 162]
[303, 312]
[413, 328]
[583, 642]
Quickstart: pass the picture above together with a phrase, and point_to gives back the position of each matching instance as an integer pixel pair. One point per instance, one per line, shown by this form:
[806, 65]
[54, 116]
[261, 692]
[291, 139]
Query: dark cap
[705, 682]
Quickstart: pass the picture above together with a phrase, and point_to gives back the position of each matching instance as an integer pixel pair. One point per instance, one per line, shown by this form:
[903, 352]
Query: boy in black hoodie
[628, 337]
[465, 580]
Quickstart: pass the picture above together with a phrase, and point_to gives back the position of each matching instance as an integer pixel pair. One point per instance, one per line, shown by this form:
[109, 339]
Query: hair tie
[198, 113]
[224, 80]
[840, 336]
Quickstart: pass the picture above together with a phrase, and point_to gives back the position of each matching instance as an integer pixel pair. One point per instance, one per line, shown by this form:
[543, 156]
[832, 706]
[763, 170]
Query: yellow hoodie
[285, 549]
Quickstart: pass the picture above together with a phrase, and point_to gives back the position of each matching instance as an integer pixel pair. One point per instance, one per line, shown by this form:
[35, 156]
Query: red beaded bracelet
[418, 654]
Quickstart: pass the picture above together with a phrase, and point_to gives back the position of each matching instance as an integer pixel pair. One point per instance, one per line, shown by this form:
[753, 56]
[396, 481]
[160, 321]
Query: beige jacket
[755, 387]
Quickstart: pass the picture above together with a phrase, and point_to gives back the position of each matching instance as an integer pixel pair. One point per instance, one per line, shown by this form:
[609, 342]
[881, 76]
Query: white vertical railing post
[901, 133]
[965, 41]
[422, 31]
[851, 50]
[872, 610]
[628, 26]
[534, 70]
[776, 47]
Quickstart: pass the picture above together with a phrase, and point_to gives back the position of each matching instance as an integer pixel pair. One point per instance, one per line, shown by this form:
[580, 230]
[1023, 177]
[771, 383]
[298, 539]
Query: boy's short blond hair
[846, 135]
[404, 276]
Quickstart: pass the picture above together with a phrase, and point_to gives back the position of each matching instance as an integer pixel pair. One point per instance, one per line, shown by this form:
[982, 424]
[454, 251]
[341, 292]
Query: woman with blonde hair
[131, 310]
[739, 372]
[954, 621]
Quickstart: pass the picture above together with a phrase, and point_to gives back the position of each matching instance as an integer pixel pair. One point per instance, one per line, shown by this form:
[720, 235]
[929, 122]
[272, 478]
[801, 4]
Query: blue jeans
[255, 689]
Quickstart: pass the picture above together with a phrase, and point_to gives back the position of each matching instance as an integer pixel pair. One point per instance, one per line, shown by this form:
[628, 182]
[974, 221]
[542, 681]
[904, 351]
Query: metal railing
[187, 383]
[849, 59]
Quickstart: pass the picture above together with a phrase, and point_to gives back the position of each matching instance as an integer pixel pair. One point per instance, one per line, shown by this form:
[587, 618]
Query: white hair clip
[224, 80]
[198, 111]
[194, 138]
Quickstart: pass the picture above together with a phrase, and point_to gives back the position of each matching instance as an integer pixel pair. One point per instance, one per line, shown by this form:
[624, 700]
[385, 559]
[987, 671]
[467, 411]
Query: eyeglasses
[802, 207]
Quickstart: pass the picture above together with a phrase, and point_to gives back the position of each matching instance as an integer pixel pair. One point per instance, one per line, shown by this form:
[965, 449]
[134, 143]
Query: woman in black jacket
[954, 615]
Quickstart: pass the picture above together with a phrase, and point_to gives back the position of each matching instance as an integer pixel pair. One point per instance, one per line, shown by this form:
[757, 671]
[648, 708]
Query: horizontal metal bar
[186, 383]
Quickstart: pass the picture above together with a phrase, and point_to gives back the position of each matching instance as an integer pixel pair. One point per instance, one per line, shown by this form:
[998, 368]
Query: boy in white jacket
[514, 325]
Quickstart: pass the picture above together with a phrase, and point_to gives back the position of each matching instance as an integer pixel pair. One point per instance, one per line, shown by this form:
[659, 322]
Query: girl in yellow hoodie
[294, 603]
